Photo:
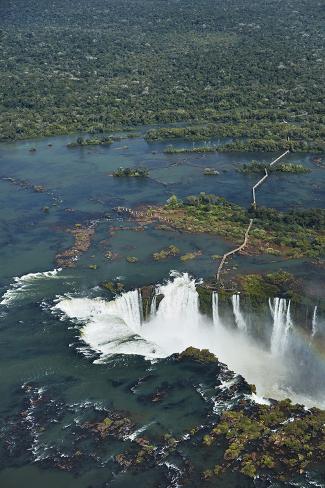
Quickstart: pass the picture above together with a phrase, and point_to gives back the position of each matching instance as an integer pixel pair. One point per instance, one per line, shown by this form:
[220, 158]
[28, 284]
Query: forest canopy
[98, 65]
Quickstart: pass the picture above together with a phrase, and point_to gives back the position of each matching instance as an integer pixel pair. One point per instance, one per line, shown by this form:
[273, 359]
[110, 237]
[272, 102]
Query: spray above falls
[175, 323]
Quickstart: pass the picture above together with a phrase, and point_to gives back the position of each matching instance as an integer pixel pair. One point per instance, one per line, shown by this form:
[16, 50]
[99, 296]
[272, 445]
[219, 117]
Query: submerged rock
[218, 428]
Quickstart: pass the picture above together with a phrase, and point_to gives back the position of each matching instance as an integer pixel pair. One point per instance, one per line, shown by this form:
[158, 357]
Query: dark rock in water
[147, 294]
[116, 425]
[216, 428]
[205, 299]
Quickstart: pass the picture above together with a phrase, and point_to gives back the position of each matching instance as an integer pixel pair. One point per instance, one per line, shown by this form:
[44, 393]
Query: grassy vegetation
[166, 253]
[294, 234]
[244, 67]
[190, 255]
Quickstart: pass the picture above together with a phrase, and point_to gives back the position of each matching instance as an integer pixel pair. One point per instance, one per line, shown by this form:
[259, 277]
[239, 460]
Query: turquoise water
[42, 351]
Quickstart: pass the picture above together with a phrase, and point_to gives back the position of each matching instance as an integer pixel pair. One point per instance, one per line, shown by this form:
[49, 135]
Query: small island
[166, 253]
[210, 172]
[135, 172]
[91, 141]
[185, 150]
[259, 167]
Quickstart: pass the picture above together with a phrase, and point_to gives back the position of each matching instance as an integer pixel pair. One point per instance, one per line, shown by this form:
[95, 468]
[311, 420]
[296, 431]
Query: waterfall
[177, 323]
[314, 323]
[239, 319]
[129, 307]
[109, 327]
[282, 323]
[180, 300]
[116, 327]
[153, 306]
[215, 309]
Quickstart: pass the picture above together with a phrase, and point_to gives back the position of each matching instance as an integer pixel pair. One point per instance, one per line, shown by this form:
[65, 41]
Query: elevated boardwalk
[234, 251]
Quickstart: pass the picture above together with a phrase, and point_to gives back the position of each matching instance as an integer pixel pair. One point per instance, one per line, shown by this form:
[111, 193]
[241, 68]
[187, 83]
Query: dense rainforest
[97, 65]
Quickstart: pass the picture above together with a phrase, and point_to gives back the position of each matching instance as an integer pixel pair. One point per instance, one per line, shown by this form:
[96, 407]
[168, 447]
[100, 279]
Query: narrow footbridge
[238, 249]
[225, 256]
[265, 176]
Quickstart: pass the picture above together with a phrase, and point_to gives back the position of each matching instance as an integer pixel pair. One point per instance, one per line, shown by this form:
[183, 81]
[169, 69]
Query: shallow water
[38, 347]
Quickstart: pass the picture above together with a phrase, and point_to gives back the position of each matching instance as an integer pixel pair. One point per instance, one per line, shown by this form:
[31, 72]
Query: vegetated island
[185, 150]
[293, 234]
[169, 251]
[82, 235]
[258, 167]
[91, 141]
[269, 145]
[134, 172]
[249, 136]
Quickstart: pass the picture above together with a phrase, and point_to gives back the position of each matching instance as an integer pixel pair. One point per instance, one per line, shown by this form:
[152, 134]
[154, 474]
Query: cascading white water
[282, 323]
[129, 307]
[26, 284]
[153, 306]
[180, 299]
[176, 322]
[110, 327]
[115, 328]
[215, 309]
[239, 319]
[314, 328]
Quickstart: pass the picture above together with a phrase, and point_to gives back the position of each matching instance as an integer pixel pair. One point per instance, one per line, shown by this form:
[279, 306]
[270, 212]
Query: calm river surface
[40, 351]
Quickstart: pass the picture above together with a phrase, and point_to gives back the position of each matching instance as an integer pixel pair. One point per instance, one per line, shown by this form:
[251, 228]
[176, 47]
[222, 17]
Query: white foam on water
[109, 327]
[22, 285]
[258, 399]
[139, 431]
[116, 327]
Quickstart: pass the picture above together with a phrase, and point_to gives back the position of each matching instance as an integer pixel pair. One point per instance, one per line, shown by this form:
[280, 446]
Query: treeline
[257, 167]
[271, 145]
[243, 127]
[311, 218]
